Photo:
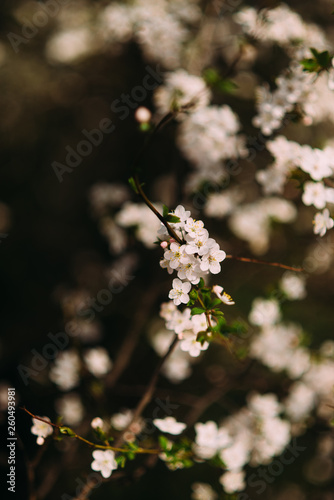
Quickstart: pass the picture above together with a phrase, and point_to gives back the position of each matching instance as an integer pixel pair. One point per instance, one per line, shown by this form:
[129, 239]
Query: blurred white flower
[65, 370]
[97, 361]
[203, 491]
[322, 222]
[293, 286]
[233, 481]
[169, 425]
[98, 423]
[264, 312]
[41, 429]
[70, 407]
[104, 461]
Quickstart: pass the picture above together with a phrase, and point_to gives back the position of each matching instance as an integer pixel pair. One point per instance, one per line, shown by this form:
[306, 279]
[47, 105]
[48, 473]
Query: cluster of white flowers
[280, 25]
[122, 420]
[186, 327]
[150, 24]
[196, 257]
[312, 93]
[147, 22]
[280, 347]
[252, 435]
[317, 163]
[181, 90]
[292, 87]
[258, 216]
[209, 135]
[314, 97]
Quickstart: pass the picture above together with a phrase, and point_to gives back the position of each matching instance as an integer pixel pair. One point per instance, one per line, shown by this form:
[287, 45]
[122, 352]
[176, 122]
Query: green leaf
[121, 461]
[217, 313]
[172, 218]
[67, 431]
[202, 337]
[163, 441]
[211, 76]
[165, 210]
[133, 184]
[188, 463]
[322, 58]
[201, 283]
[197, 310]
[133, 446]
[309, 65]
[215, 302]
[214, 79]
[227, 86]
[206, 299]
[100, 434]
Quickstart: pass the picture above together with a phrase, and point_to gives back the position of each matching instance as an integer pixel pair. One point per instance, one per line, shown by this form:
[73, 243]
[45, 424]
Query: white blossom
[293, 286]
[314, 194]
[264, 312]
[203, 491]
[65, 370]
[181, 89]
[169, 425]
[41, 429]
[98, 423]
[189, 344]
[223, 296]
[104, 461]
[322, 222]
[233, 481]
[211, 260]
[97, 361]
[179, 292]
[70, 407]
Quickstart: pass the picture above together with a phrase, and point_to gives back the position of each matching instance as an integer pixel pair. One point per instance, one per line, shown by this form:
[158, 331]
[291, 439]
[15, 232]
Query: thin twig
[90, 443]
[131, 339]
[274, 264]
[148, 394]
